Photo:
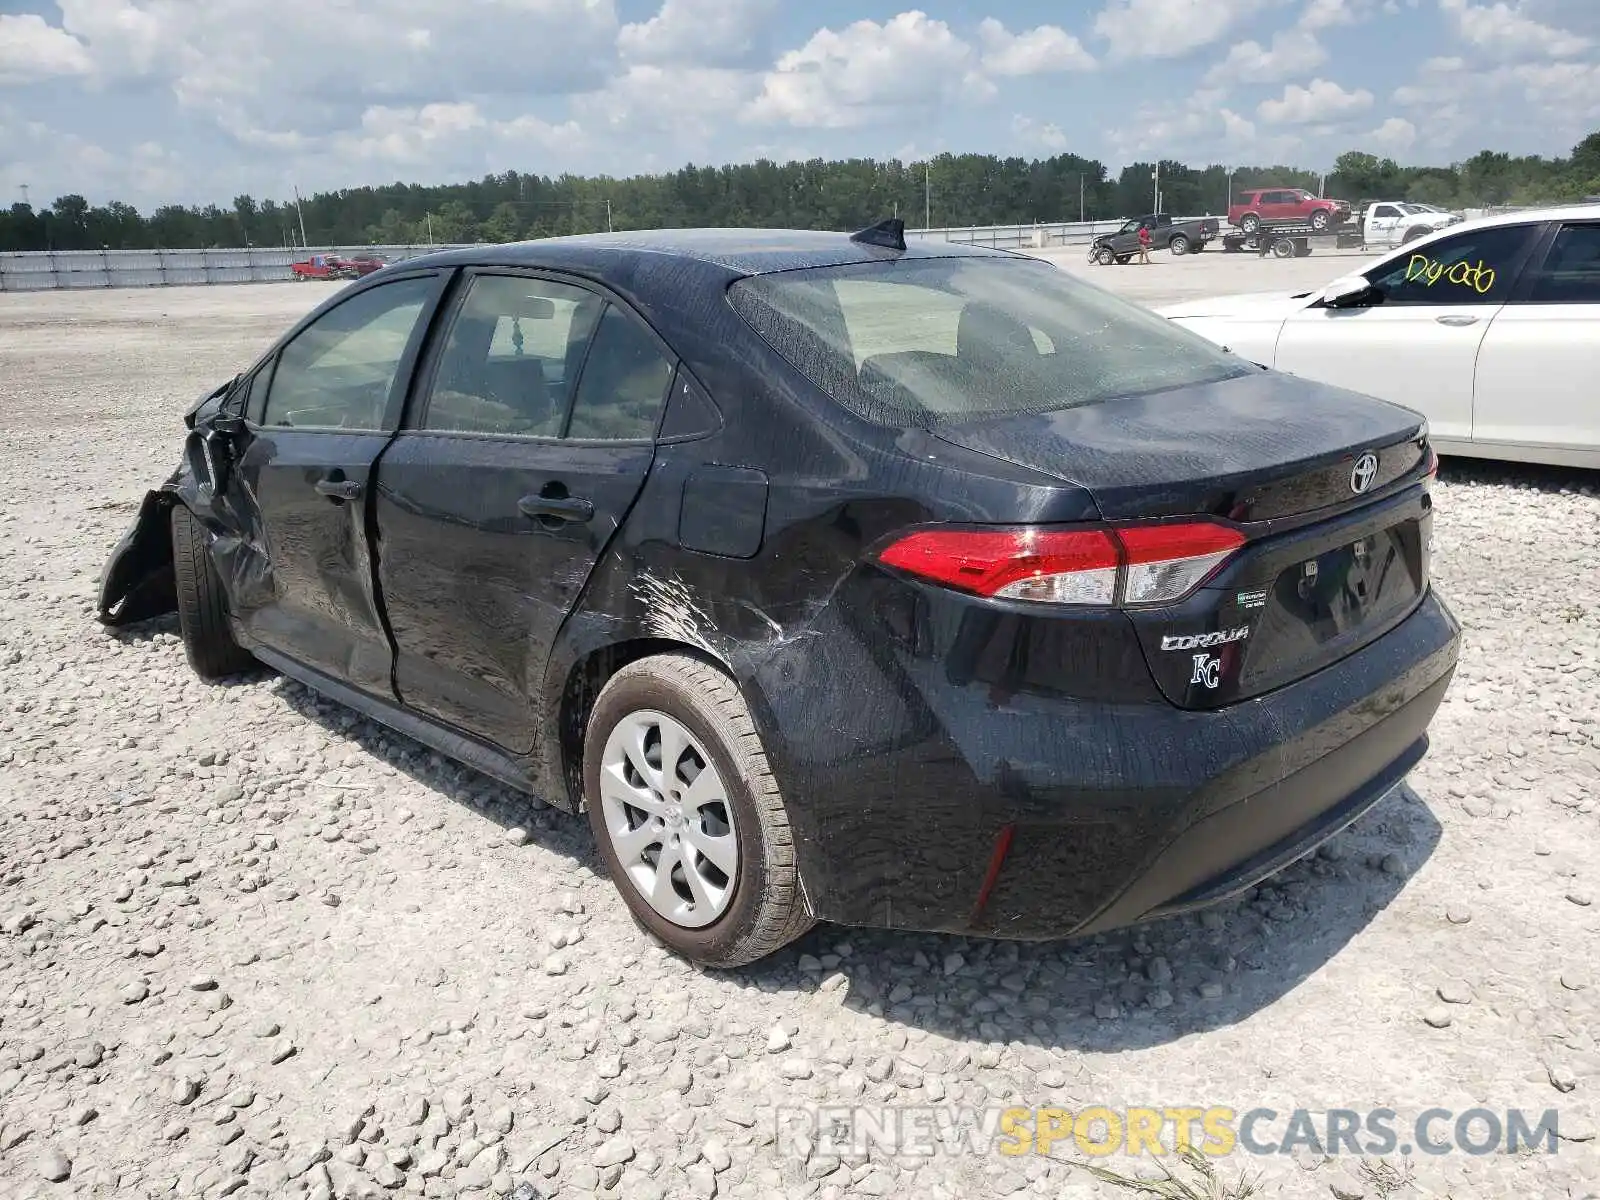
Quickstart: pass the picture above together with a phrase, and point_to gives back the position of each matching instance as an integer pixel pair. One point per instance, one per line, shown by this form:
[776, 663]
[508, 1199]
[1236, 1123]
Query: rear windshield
[938, 342]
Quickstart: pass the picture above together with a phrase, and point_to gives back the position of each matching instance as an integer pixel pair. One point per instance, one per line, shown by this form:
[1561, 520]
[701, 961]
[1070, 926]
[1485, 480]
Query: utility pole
[1080, 197]
[25, 203]
[927, 194]
[300, 209]
[608, 214]
[430, 228]
[1156, 175]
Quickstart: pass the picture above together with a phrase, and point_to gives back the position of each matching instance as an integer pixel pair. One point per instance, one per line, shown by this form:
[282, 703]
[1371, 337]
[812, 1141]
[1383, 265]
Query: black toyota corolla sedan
[922, 587]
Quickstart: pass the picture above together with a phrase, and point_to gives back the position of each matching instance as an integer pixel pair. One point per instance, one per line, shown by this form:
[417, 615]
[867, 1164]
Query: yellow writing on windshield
[1477, 277]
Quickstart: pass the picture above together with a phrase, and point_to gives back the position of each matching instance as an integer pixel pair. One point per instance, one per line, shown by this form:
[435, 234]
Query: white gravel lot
[255, 946]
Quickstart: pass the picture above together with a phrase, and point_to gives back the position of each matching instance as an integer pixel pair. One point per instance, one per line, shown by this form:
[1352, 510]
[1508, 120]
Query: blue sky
[155, 101]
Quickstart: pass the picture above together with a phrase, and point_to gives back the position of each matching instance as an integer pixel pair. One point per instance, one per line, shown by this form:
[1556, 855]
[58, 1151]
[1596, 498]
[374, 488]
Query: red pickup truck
[324, 266]
[1285, 206]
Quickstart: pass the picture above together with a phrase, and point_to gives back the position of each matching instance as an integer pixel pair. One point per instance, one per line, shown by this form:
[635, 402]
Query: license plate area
[1328, 604]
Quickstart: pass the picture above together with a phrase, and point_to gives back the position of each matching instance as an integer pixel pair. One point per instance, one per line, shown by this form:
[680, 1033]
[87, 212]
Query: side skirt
[490, 761]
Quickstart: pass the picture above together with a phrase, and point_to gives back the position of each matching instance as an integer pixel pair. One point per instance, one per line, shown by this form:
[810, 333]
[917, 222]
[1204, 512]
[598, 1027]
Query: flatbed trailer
[1292, 241]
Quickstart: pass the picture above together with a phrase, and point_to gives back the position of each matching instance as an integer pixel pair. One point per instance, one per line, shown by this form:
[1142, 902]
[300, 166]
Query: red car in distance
[1252, 209]
[323, 266]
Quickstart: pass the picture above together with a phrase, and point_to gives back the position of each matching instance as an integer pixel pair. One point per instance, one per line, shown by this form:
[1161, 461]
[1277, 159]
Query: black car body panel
[948, 761]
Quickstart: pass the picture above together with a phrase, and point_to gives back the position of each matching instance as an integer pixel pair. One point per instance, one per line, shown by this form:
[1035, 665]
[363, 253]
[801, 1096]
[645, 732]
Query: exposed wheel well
[584, 683]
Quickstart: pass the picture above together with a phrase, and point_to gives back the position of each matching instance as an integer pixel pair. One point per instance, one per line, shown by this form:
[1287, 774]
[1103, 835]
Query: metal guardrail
[1033, 237]
[57, 270]
[50, 270]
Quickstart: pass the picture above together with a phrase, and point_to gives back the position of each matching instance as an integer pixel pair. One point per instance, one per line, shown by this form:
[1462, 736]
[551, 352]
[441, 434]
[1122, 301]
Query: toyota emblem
[1365, 472]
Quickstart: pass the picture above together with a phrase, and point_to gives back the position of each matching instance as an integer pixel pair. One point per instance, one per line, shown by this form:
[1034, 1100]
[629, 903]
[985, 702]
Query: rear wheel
[687, 815]
[1250, 223]
[1179, 244]
[202, 604]
[1283, 248]
[1123, 258]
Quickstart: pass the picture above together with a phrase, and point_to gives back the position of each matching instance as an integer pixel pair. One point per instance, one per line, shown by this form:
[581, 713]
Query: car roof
[1567, 212]
[737, 251]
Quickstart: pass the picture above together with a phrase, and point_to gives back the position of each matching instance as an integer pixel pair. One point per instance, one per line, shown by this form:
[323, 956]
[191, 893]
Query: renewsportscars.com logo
[1098, 1130]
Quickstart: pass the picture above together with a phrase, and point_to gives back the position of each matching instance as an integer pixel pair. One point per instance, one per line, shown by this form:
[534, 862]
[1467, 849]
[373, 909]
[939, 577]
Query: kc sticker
[1207, 670]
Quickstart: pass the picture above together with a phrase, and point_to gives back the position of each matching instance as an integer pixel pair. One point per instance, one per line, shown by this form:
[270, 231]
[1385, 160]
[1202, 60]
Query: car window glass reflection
[337, 373]
[511, 358]
[624, 382]
[1476, 267]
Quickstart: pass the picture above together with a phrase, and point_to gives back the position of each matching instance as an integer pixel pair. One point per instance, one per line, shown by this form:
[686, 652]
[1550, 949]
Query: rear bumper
[937, 803]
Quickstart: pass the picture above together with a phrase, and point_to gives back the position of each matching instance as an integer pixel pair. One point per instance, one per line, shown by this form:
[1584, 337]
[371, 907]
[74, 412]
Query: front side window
[338, 372]
[935, 342]
[511, 358]
[1570, 273]
[624, 382]
[1386, 210]
[1477, 266]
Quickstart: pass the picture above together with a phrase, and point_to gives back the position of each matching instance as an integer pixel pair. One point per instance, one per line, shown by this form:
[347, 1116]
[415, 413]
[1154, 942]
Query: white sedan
[1490, 329]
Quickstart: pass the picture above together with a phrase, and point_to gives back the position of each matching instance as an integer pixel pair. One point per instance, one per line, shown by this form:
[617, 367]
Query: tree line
[949, 190]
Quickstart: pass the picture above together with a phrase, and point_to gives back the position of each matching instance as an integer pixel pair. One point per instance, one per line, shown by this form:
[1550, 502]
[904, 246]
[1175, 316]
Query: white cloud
[31, 49]
[306, 67]
[1506, 32]
[409, 135]
[1047, 48]
[1320, 101]
[703, 98]
[1293, 52]
[1395, 136]
[1044, 134]
[842, 79]
[54, 162]
[705, 33]
[1168, 28]
[1324, 14]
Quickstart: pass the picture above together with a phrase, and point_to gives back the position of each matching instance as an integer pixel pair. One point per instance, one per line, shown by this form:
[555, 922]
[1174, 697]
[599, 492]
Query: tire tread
[202, 605]
[782, 915]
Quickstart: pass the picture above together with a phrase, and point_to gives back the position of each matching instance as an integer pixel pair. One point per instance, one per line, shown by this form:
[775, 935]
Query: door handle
[338, 489]
[560, 508]
[1457, 319]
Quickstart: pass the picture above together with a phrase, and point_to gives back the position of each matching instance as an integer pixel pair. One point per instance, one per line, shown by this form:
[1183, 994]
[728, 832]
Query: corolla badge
[1193, 641]
[1364, 473]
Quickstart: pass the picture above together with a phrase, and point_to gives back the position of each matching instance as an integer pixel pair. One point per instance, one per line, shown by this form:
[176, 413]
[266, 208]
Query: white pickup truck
[1396, 222]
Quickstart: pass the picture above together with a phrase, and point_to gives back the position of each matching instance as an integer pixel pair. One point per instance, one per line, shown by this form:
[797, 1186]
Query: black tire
[1283, 248]
[202, 604]
[1122, 259]
[767, 910]
[1104, 256]
[1320, 219]
[1249, 223]
[1179, 244]
[1414, 233]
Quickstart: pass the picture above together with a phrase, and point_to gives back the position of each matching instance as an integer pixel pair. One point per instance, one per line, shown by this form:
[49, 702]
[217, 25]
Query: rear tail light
[1137, 564]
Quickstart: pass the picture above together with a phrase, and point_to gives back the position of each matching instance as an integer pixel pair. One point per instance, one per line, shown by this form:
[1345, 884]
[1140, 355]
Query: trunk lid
[1328, 567]
[1258, 448]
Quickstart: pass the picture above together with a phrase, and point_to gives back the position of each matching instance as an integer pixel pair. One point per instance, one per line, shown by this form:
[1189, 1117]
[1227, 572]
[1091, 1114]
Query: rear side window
[624, 382]
[1570, 273]
[509, 364]
[1476, 266]
[936, 342]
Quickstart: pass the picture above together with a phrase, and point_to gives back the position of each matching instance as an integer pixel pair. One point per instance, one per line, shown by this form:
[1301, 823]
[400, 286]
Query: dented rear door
[527, 445]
